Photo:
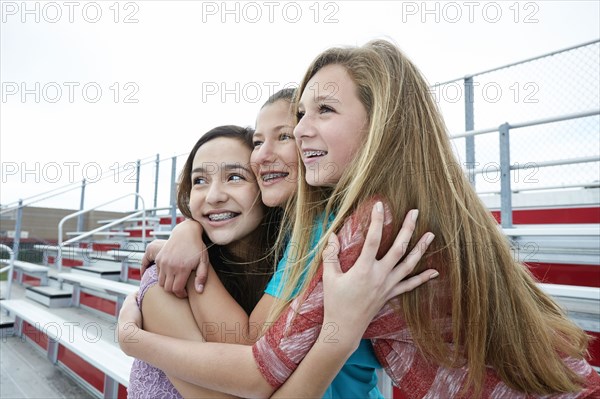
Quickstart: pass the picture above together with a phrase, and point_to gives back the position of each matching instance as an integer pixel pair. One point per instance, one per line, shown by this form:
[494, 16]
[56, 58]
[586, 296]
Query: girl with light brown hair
[483, 328]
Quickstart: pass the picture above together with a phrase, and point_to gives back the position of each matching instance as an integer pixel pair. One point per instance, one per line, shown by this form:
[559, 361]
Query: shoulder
[353, 232]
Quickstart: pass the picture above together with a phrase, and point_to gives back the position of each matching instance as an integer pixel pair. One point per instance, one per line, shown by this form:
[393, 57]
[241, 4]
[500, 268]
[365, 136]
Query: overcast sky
[93, 86]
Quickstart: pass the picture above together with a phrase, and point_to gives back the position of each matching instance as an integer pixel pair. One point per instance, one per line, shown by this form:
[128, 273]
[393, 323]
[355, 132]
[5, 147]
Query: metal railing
[572, 69]
[506, 167]
[9, 268]
[61, 244]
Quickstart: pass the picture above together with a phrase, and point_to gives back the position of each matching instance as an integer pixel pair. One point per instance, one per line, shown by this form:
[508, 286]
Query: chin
[275, 199]
[319, 183]
[220, 239]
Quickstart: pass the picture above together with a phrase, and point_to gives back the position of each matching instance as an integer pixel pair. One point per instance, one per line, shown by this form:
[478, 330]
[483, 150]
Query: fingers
[373, 238]
[129, 304]
[331, 263]
[147, 259]
[408, 264]
[168, 287]
[131, 298]
[146, 263]
[179, 283]
[412, 283]
[201, 276]
[398, 249]
[151, 254]
[162, 277]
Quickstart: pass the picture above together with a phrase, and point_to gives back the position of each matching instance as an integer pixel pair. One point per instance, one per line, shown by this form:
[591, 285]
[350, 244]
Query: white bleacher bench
[129, 259]
[100, 233]
[29, 269]
[121, 290]
[566, 244]
[581, 303]
[87, 255]
[553, 230]
[101, 354]
[573, 291]
[69, 250]
[137, 219]
[124, 254]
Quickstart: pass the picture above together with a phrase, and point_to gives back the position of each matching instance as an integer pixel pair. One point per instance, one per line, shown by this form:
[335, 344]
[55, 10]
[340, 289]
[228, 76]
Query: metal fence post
[173, 196]
[18, 225]
[156, 180]
[81, 202]
[137, 182]
[469, 125]
[505, 190]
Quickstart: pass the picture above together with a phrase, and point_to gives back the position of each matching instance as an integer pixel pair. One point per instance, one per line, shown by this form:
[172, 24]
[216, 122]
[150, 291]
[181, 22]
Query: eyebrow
[323, 98]
[258, 133]
[225, 167]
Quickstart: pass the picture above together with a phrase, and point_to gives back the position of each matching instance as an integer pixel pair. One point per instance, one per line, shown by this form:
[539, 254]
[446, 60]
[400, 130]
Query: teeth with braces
[314, 153]
[216, 217]
[270, 176]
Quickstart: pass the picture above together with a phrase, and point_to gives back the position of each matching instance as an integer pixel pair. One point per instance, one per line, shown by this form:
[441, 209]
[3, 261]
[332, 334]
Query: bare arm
[221, 318]
[217, 314]
[211, 365]
[162, 312]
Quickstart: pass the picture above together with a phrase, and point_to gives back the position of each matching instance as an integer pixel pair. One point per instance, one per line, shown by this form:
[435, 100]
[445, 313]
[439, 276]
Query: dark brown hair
[244, 277]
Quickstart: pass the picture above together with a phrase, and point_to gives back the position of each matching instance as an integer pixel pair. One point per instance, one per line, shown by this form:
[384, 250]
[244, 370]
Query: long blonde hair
[499, 316]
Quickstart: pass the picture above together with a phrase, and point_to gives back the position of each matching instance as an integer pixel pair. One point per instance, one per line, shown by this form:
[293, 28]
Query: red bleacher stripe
[66, 262]
[134, 274]
[101, 247]
[138, 233]
[167, 220]
[82, 368]
[554, 215]
[36, 335]
[101, 304]
[122, 394]
[557, 273]
[31, 280]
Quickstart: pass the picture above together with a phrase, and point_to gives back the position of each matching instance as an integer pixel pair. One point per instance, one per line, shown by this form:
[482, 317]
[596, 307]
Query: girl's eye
[257, 143]
[325, 108]
[199, 180]
[236, 178]
[299, 115]
[285, 137]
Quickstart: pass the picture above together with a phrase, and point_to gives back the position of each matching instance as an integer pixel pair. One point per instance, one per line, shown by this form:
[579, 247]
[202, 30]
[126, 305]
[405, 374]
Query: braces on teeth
[221, 216]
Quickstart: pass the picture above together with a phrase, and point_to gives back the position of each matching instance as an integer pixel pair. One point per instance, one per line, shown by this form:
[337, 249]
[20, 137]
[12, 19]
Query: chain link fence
[561, 83]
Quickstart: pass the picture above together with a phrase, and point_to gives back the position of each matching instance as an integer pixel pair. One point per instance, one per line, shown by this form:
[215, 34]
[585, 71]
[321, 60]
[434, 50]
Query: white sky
[176, 57]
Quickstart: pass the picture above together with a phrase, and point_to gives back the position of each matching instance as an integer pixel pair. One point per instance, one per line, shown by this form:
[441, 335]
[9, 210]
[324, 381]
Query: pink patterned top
[285, 344]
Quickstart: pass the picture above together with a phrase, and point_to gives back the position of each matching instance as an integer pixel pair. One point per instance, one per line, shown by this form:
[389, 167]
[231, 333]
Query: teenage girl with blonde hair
[484, 327]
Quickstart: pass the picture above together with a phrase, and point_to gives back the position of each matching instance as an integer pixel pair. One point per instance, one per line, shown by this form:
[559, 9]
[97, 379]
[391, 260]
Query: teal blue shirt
[357, 378]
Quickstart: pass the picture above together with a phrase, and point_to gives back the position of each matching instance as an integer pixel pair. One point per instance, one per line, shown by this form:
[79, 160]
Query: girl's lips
[217, 219]
[310, 156]
[308, 161]
[270, 178]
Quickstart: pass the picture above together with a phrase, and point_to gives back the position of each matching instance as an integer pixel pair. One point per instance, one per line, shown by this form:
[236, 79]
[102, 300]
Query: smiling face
[274, 158]
[225, 198]
[332, 125]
